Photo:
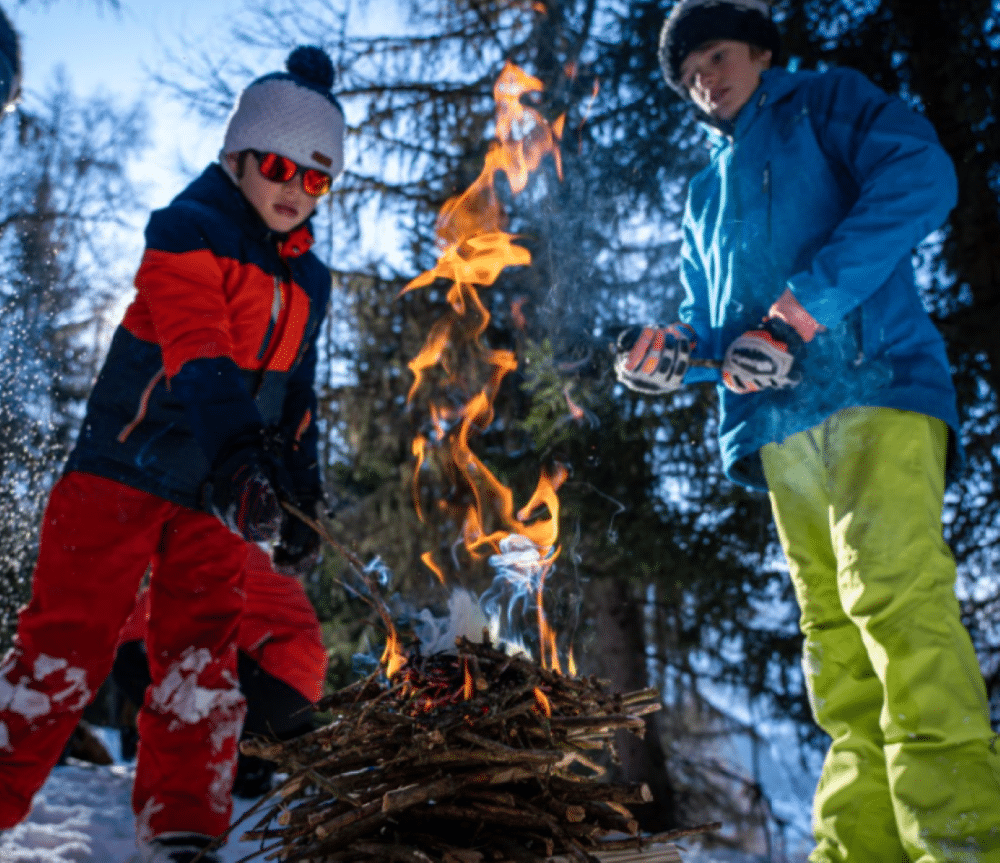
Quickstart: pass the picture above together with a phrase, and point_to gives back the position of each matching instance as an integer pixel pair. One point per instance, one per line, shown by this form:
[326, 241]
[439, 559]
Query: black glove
[653, 360]
[763, 358]
[245, 489]
[298, 552]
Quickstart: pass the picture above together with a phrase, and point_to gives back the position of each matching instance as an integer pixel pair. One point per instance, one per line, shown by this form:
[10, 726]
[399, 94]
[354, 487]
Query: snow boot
[178, 848]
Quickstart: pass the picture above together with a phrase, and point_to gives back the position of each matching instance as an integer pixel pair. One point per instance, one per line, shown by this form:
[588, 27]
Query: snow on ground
[83, 815]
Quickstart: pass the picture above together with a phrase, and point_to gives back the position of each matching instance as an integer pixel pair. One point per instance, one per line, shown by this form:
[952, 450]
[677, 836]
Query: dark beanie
[692, 23]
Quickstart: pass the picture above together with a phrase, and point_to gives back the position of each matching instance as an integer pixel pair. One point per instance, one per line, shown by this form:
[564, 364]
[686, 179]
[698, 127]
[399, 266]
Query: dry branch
[466, 757]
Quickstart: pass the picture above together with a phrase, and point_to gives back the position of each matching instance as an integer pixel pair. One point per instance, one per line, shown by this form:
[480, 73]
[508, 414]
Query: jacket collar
[774, 84]
[215, 189]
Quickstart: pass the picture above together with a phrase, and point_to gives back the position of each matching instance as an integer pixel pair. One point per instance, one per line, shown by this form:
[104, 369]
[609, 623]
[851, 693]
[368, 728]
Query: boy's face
[721, 76]
[282, 206]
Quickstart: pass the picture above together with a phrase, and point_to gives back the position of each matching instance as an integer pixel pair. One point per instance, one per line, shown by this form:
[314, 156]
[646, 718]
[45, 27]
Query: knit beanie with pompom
[292, 113]
[692, 23]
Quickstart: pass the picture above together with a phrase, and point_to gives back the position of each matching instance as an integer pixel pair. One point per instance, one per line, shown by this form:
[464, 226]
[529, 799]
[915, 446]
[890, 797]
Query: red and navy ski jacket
[219, 340]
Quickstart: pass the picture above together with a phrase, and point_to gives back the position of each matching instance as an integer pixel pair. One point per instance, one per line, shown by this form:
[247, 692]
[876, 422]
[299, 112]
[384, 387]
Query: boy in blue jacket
[201, 422]
[836, 398]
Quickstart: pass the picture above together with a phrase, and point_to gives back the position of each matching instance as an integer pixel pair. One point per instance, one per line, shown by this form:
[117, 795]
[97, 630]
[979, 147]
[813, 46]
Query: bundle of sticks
[466, 757]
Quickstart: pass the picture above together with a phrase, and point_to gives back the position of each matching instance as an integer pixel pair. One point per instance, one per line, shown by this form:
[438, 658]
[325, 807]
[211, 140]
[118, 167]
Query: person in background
[200, 424]
[281, 665]
[836, 398]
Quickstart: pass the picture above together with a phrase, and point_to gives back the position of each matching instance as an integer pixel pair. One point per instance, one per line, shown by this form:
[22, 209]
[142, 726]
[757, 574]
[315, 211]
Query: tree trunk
[620, 657]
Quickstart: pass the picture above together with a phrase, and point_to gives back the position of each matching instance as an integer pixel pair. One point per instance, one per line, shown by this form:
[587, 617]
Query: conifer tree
[65, 194]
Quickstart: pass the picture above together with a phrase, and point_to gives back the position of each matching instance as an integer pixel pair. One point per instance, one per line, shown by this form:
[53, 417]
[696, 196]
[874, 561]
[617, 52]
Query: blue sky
[108, 51]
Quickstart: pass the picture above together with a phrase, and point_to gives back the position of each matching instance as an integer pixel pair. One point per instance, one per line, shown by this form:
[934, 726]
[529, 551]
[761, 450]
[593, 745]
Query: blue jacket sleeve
[906, 187]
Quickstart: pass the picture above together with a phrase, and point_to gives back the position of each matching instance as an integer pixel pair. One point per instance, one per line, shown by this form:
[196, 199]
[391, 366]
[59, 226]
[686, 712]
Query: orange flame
[574, 409]
[543, 703]
[418, 449]
[428, 561]
[393, 658]
[473, 249]
[467, 686]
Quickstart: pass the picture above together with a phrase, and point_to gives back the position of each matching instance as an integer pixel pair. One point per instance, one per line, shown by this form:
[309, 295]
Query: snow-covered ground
[83, 815]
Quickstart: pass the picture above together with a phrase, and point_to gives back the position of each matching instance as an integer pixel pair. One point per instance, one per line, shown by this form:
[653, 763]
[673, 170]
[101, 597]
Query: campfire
[468, 750]
[471, 756]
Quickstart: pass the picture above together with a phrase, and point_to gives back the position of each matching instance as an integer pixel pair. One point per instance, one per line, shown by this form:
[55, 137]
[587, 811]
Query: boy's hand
[298, 552]
[763, 358]
[244, 490]
[653, 360]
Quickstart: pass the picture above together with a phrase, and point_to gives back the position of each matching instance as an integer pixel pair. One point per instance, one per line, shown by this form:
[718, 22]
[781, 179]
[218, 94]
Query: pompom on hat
[292, 113]
[692, 23]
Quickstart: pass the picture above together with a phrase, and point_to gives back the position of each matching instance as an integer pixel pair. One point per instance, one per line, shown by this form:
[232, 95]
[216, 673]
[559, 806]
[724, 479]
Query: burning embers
[464, 757]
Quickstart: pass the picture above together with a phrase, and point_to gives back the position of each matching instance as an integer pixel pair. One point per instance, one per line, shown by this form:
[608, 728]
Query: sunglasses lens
[277, 168]
[315, 182]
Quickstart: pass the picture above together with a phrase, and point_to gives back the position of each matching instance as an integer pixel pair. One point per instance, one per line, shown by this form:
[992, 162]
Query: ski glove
[763, 358]
[653, 360]
[245, 488]
[298, 552]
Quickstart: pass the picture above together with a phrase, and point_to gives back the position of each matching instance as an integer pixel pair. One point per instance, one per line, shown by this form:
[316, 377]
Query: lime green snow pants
[892, 677]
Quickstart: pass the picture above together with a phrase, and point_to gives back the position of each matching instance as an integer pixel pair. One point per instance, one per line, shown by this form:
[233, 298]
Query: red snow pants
[98, 538]
[279, 629]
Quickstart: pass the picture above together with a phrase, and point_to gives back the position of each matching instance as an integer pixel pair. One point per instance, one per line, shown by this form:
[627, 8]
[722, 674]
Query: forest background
[667, 573]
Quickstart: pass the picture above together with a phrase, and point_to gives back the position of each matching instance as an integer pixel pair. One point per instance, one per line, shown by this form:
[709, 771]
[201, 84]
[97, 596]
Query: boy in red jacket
[199, 424]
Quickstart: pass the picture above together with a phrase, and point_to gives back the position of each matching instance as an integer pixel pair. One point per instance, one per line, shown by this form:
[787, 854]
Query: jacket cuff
[788, 309]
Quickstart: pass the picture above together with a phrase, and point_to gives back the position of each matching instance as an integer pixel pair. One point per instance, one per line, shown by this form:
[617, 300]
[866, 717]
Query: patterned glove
[653, 360]
[298, 552]
[763, 358]
[245, 488]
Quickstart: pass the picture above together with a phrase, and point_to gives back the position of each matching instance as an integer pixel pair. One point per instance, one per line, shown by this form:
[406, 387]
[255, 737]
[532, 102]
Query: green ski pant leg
[883, 472]
[853, 816]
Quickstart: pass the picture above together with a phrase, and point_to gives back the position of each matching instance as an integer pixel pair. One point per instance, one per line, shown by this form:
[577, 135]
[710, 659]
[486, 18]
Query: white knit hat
[692, 23]
[292, 113]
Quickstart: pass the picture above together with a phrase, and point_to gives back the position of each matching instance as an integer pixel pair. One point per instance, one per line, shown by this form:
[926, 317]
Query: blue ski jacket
[219, 340]
[824, 185]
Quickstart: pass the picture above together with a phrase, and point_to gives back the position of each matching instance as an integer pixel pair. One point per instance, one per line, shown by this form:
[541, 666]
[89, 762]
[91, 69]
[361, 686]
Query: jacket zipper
[273, 322]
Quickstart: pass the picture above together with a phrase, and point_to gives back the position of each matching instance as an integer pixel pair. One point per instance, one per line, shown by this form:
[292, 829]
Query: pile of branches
[466, 757]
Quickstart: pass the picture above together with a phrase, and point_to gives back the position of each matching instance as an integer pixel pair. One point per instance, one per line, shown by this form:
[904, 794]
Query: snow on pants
[98, 537]
[890, 669]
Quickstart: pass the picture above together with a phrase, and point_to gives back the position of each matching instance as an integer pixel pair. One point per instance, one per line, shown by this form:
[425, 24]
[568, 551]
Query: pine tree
[65, 194]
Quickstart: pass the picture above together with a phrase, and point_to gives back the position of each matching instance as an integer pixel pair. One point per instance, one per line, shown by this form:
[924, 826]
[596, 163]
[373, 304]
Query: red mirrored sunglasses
[279, 169]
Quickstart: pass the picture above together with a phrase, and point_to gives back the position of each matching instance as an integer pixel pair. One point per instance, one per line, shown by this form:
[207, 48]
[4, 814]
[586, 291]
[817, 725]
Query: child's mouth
[285, 210]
